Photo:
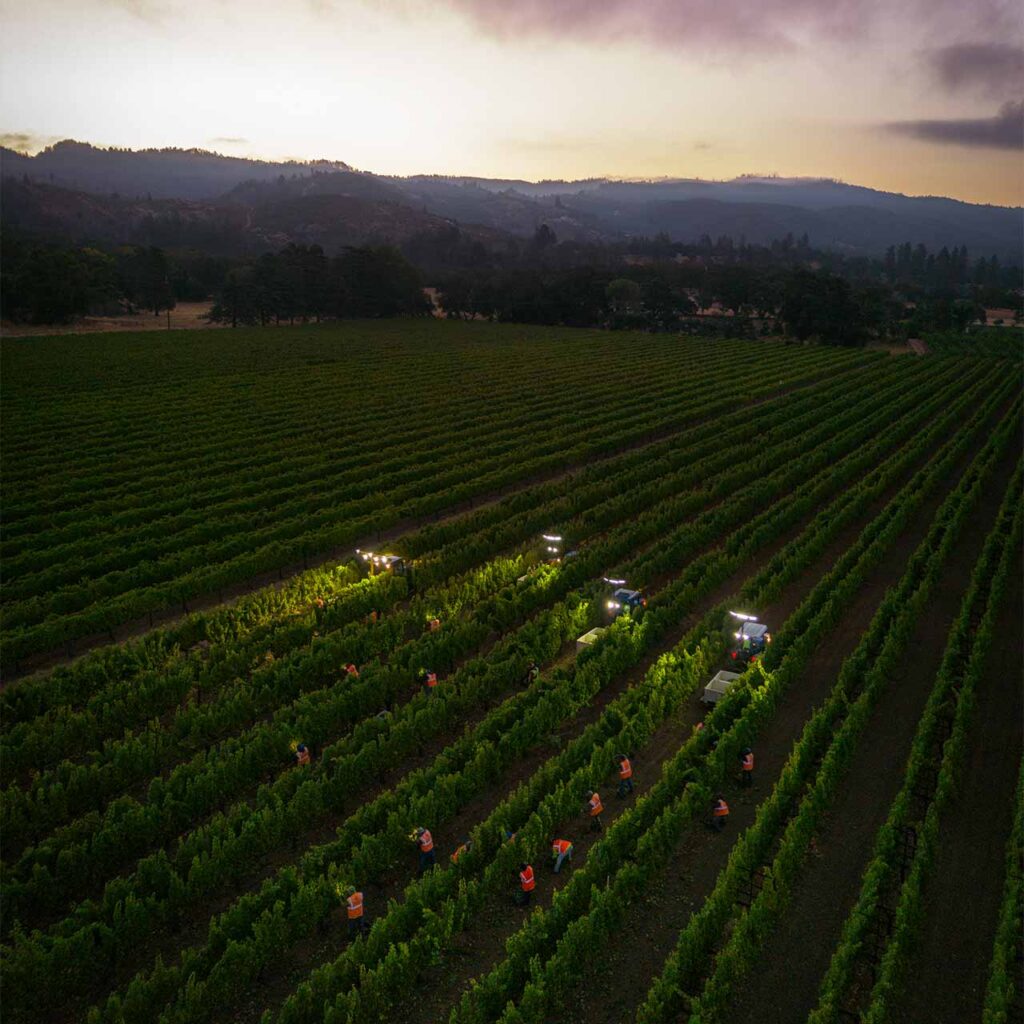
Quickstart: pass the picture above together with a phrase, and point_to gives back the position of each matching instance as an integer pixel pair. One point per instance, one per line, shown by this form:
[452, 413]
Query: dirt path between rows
[296, 963]
[652, 927]
[491, 927]
[267, 865]
[277, 578]
[784, 985]
[287, 967]
[946, 978]
[428, 750]
[482, 944]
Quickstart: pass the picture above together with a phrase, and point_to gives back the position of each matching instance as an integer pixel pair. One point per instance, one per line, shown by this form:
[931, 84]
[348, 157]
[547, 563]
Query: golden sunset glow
[521, 90]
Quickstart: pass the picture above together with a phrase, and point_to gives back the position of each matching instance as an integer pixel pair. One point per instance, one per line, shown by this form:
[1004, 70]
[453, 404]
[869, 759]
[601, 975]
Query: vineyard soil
[787, 981]
[946, 982]
[167, 861]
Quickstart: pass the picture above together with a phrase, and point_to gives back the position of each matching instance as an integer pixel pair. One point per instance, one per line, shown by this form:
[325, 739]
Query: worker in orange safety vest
[429, 681]
[464, 847]
[719, 813]
[625, 775]
[302, 756]
[352, 671]
[527, 883]
[357, 922]
[746, 767]
[594, 809]
[561, 851]
[425, 843]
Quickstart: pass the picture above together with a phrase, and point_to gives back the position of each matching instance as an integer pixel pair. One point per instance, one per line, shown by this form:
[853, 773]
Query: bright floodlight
[614, 582]
[550, 536]
[745, 618]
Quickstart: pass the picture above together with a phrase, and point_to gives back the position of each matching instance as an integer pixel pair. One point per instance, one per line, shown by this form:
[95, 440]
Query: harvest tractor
[555, 548]
[622, 600]
[378, 563]
[750, 640]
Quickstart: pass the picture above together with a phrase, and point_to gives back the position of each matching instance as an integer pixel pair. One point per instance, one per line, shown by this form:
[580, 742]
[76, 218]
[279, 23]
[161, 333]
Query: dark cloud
[1004, 131]
[992, 69]
[729, 25]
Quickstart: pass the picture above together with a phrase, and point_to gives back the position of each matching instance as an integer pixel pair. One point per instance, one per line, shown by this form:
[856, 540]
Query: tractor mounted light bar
[372, 556]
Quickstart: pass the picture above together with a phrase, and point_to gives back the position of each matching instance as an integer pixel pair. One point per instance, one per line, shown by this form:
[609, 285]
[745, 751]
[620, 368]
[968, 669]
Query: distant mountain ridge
[160, 173]
[289, 201]
[222, 228]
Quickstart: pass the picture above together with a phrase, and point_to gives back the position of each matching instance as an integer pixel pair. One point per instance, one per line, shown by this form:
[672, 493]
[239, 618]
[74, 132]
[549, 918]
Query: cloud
[228, 140]
[728, 25]
[1003, 131]
[25, 142]
[21, 142]
[992, 69]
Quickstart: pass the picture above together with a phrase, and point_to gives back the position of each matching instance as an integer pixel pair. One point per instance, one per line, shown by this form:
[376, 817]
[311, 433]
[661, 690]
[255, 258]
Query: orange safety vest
[748, 762]
[458, 853]
[302, 756]
[721, 809]
[352, 670]
[431, 680]
[426, 841]
[625, 769]
[560, 846]
[526, 879]
[595, 805]
[355, 906]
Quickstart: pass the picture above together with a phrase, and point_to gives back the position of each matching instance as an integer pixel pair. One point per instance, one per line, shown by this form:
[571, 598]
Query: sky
[913, 96]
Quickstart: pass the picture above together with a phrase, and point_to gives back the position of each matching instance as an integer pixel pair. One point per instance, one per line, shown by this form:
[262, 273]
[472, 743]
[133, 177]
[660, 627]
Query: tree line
[300, 282]
[47, 283]
[720, 287]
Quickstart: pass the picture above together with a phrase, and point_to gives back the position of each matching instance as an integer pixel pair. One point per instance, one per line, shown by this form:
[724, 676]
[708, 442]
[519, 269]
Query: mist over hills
[228, 204]
[160, 173]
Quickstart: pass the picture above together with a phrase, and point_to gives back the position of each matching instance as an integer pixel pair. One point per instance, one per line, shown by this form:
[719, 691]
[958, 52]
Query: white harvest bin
[587, 639]
[715, 690]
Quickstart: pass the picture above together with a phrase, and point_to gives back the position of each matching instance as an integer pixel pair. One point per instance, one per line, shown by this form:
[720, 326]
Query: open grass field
[184, 316]
[165, 858]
